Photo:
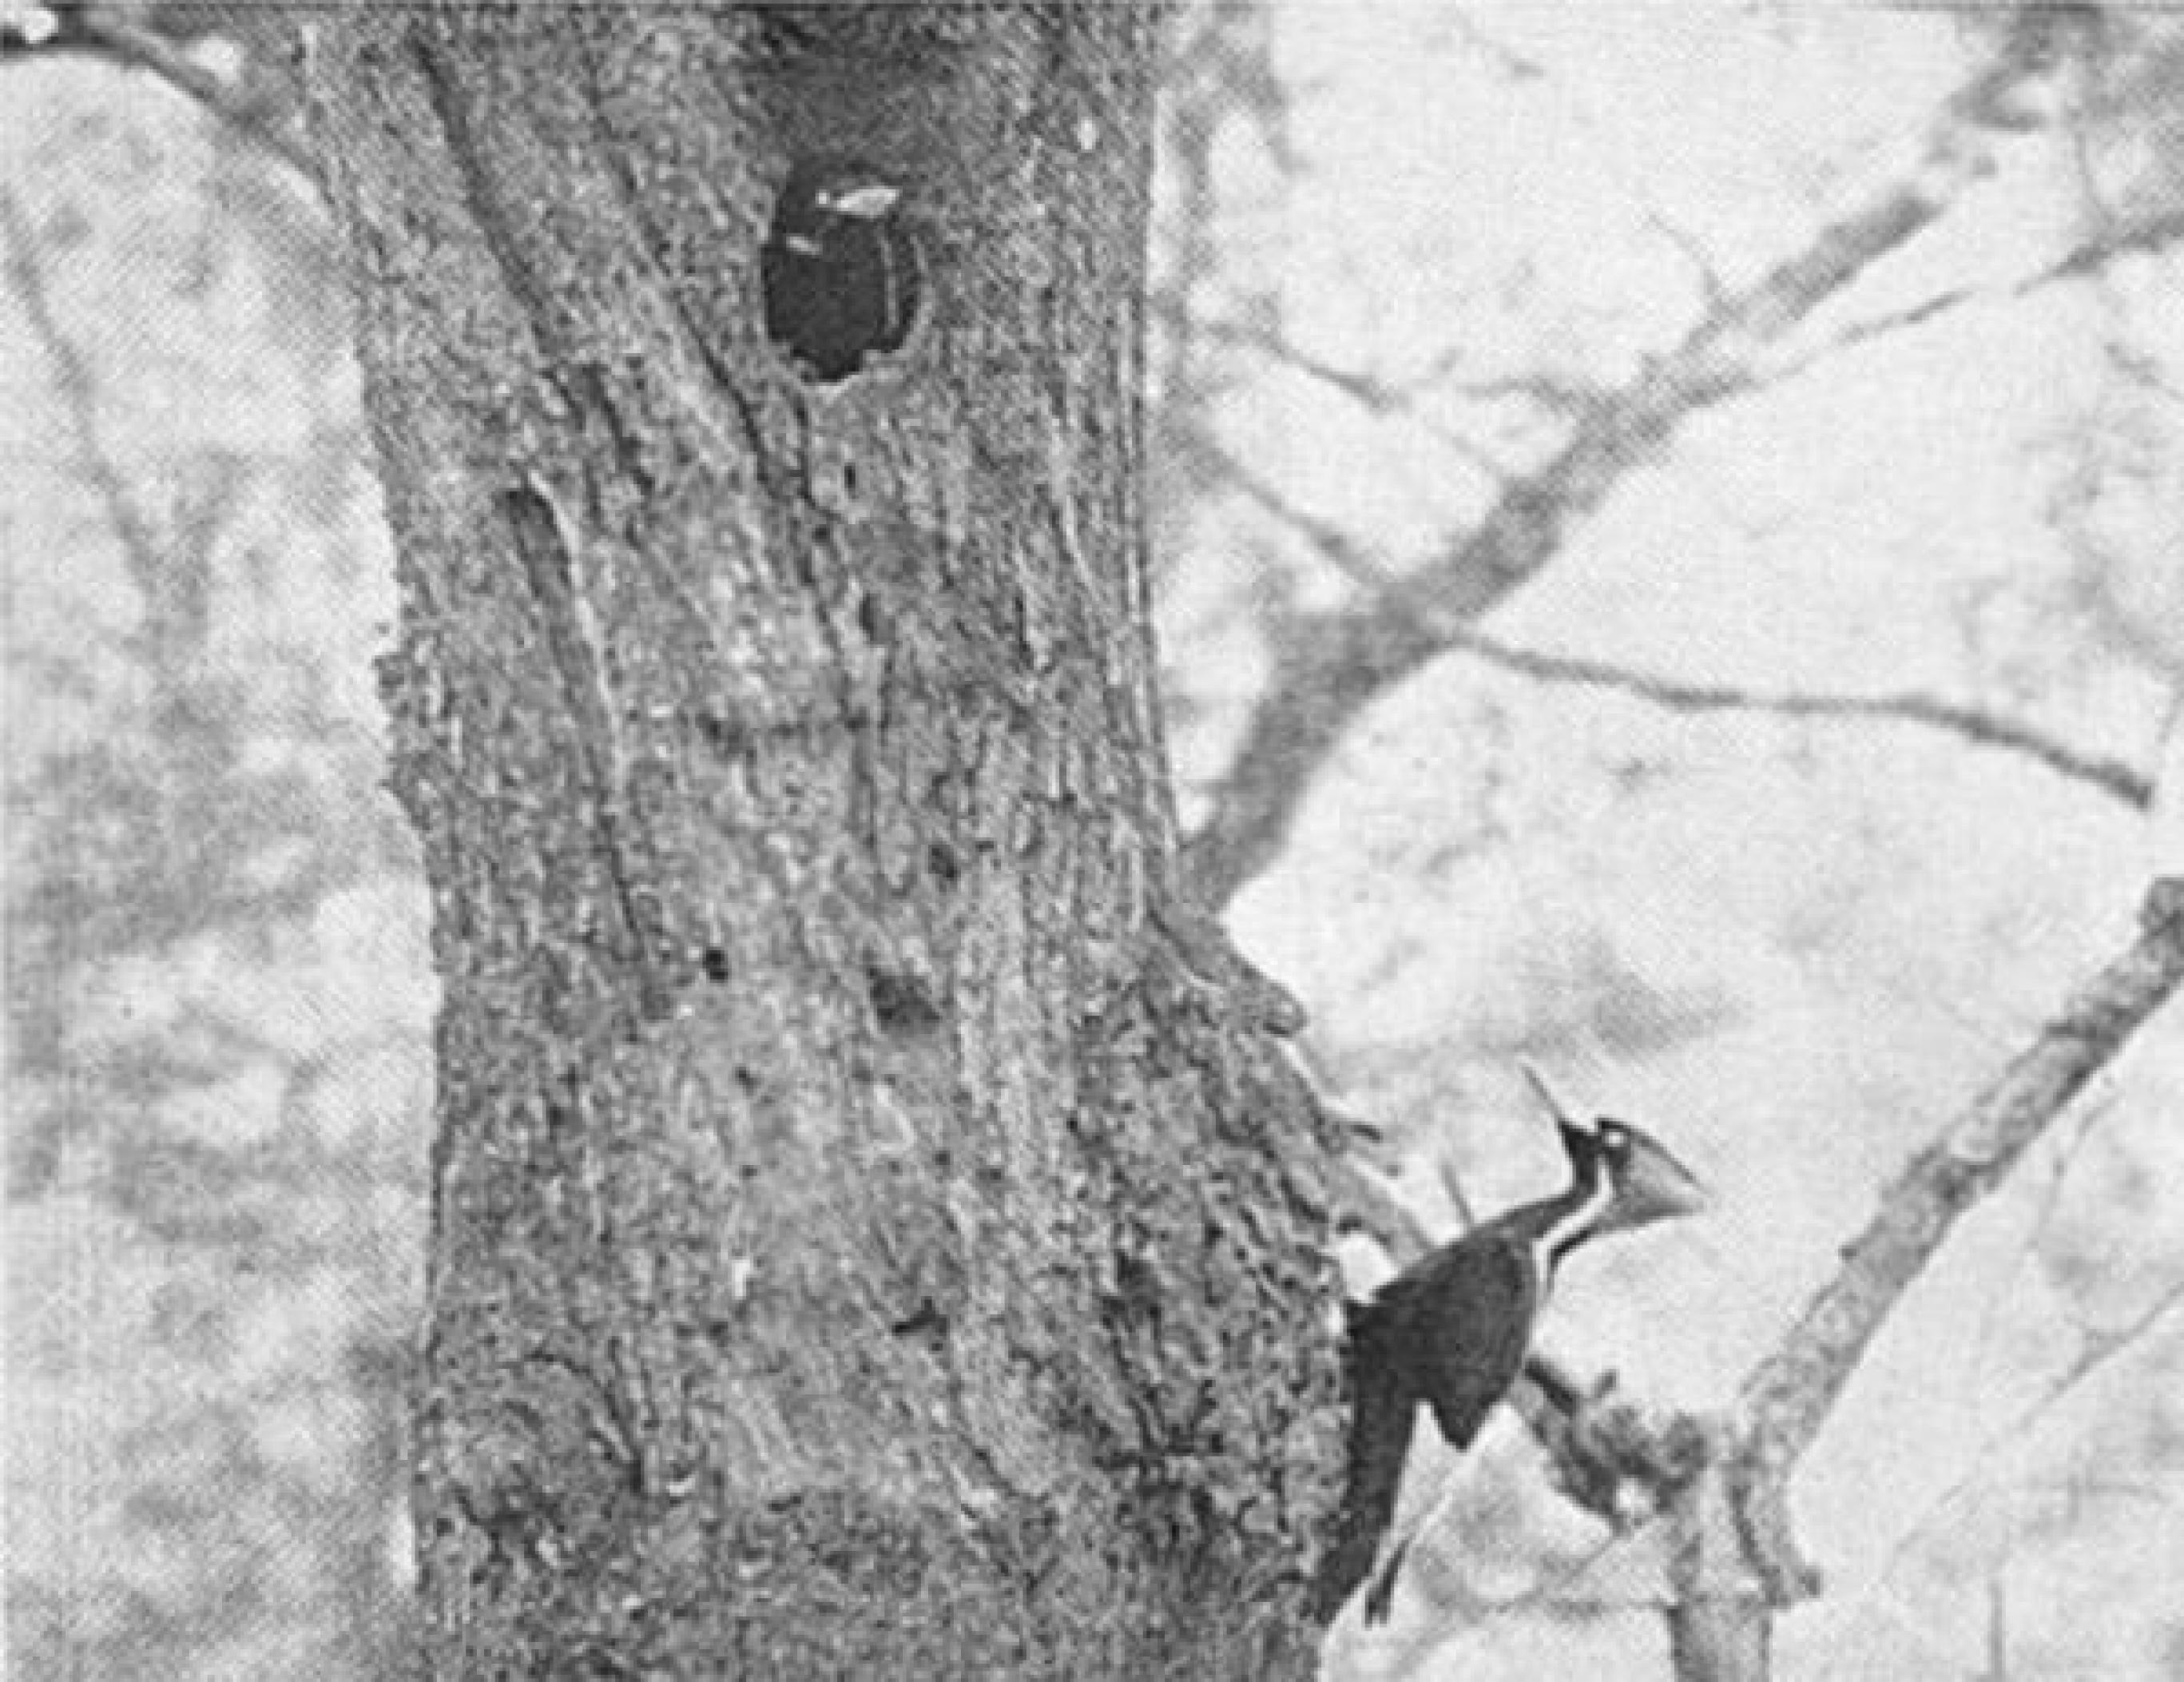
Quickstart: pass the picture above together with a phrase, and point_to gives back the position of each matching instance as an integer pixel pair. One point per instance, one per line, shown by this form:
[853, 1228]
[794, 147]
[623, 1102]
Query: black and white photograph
[1093, 841]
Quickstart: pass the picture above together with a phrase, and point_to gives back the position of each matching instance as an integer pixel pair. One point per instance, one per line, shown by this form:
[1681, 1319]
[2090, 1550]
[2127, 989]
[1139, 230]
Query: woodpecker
[841, 272]
[1450, 1331]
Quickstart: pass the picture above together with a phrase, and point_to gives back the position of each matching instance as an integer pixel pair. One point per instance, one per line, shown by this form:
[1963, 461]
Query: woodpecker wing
[1466, 1313]
[1465, 1316]
[1450, 1330]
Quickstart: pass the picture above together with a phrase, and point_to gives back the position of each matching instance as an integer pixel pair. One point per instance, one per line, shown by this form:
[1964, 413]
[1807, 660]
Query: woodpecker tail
[1381, 1594]
[1382, 1412]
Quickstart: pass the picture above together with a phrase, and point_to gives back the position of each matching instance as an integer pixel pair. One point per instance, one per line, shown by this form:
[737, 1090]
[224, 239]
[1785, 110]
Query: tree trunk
[863, 1239]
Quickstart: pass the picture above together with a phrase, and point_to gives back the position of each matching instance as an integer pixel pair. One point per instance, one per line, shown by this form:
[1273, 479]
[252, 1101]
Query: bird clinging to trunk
[1451, 1330]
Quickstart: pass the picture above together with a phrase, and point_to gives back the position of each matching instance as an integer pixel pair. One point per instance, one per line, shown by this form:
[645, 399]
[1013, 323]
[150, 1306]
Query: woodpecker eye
[1614, 1138]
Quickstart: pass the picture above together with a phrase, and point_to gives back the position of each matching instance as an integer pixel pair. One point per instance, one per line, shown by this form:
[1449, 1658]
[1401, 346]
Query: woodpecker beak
[868, 202]
[1653, 1186]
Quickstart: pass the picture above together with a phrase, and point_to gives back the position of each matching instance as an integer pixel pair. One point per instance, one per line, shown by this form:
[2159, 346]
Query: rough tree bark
[872, 1229]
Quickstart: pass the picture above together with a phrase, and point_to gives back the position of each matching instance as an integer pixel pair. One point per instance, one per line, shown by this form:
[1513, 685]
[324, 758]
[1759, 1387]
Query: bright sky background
[1866, 920]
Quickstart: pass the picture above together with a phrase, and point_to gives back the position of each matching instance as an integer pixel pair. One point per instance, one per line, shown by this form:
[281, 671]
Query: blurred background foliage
[1440, 290]
[218, 984]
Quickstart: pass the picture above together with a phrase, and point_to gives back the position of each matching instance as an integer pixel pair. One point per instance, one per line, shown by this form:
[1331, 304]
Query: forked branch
[1788, 1395]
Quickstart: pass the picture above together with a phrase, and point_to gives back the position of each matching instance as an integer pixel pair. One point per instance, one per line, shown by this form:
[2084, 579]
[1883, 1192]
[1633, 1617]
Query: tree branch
[1975, 724]
[1374, 395]
[78, 389]
[1786, 1398]
[113, 33]
[2141, 238]
[1346, 660]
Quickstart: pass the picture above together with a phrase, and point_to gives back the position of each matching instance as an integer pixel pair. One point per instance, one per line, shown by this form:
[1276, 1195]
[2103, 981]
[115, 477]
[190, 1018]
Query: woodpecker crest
[840, 267]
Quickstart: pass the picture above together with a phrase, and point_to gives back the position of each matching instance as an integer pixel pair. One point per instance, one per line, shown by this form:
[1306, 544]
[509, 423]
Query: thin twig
[1335, 546]
[1370, 393]
[1976, 725]
[1512, 64]
[2048, 1200]
[2145, 238]
[2096, 1352]
[1376, 396]
[78, 394]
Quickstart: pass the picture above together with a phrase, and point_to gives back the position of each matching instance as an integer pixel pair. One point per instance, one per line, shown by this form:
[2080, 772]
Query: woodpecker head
[1642, 1181]
[1647, 1183]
